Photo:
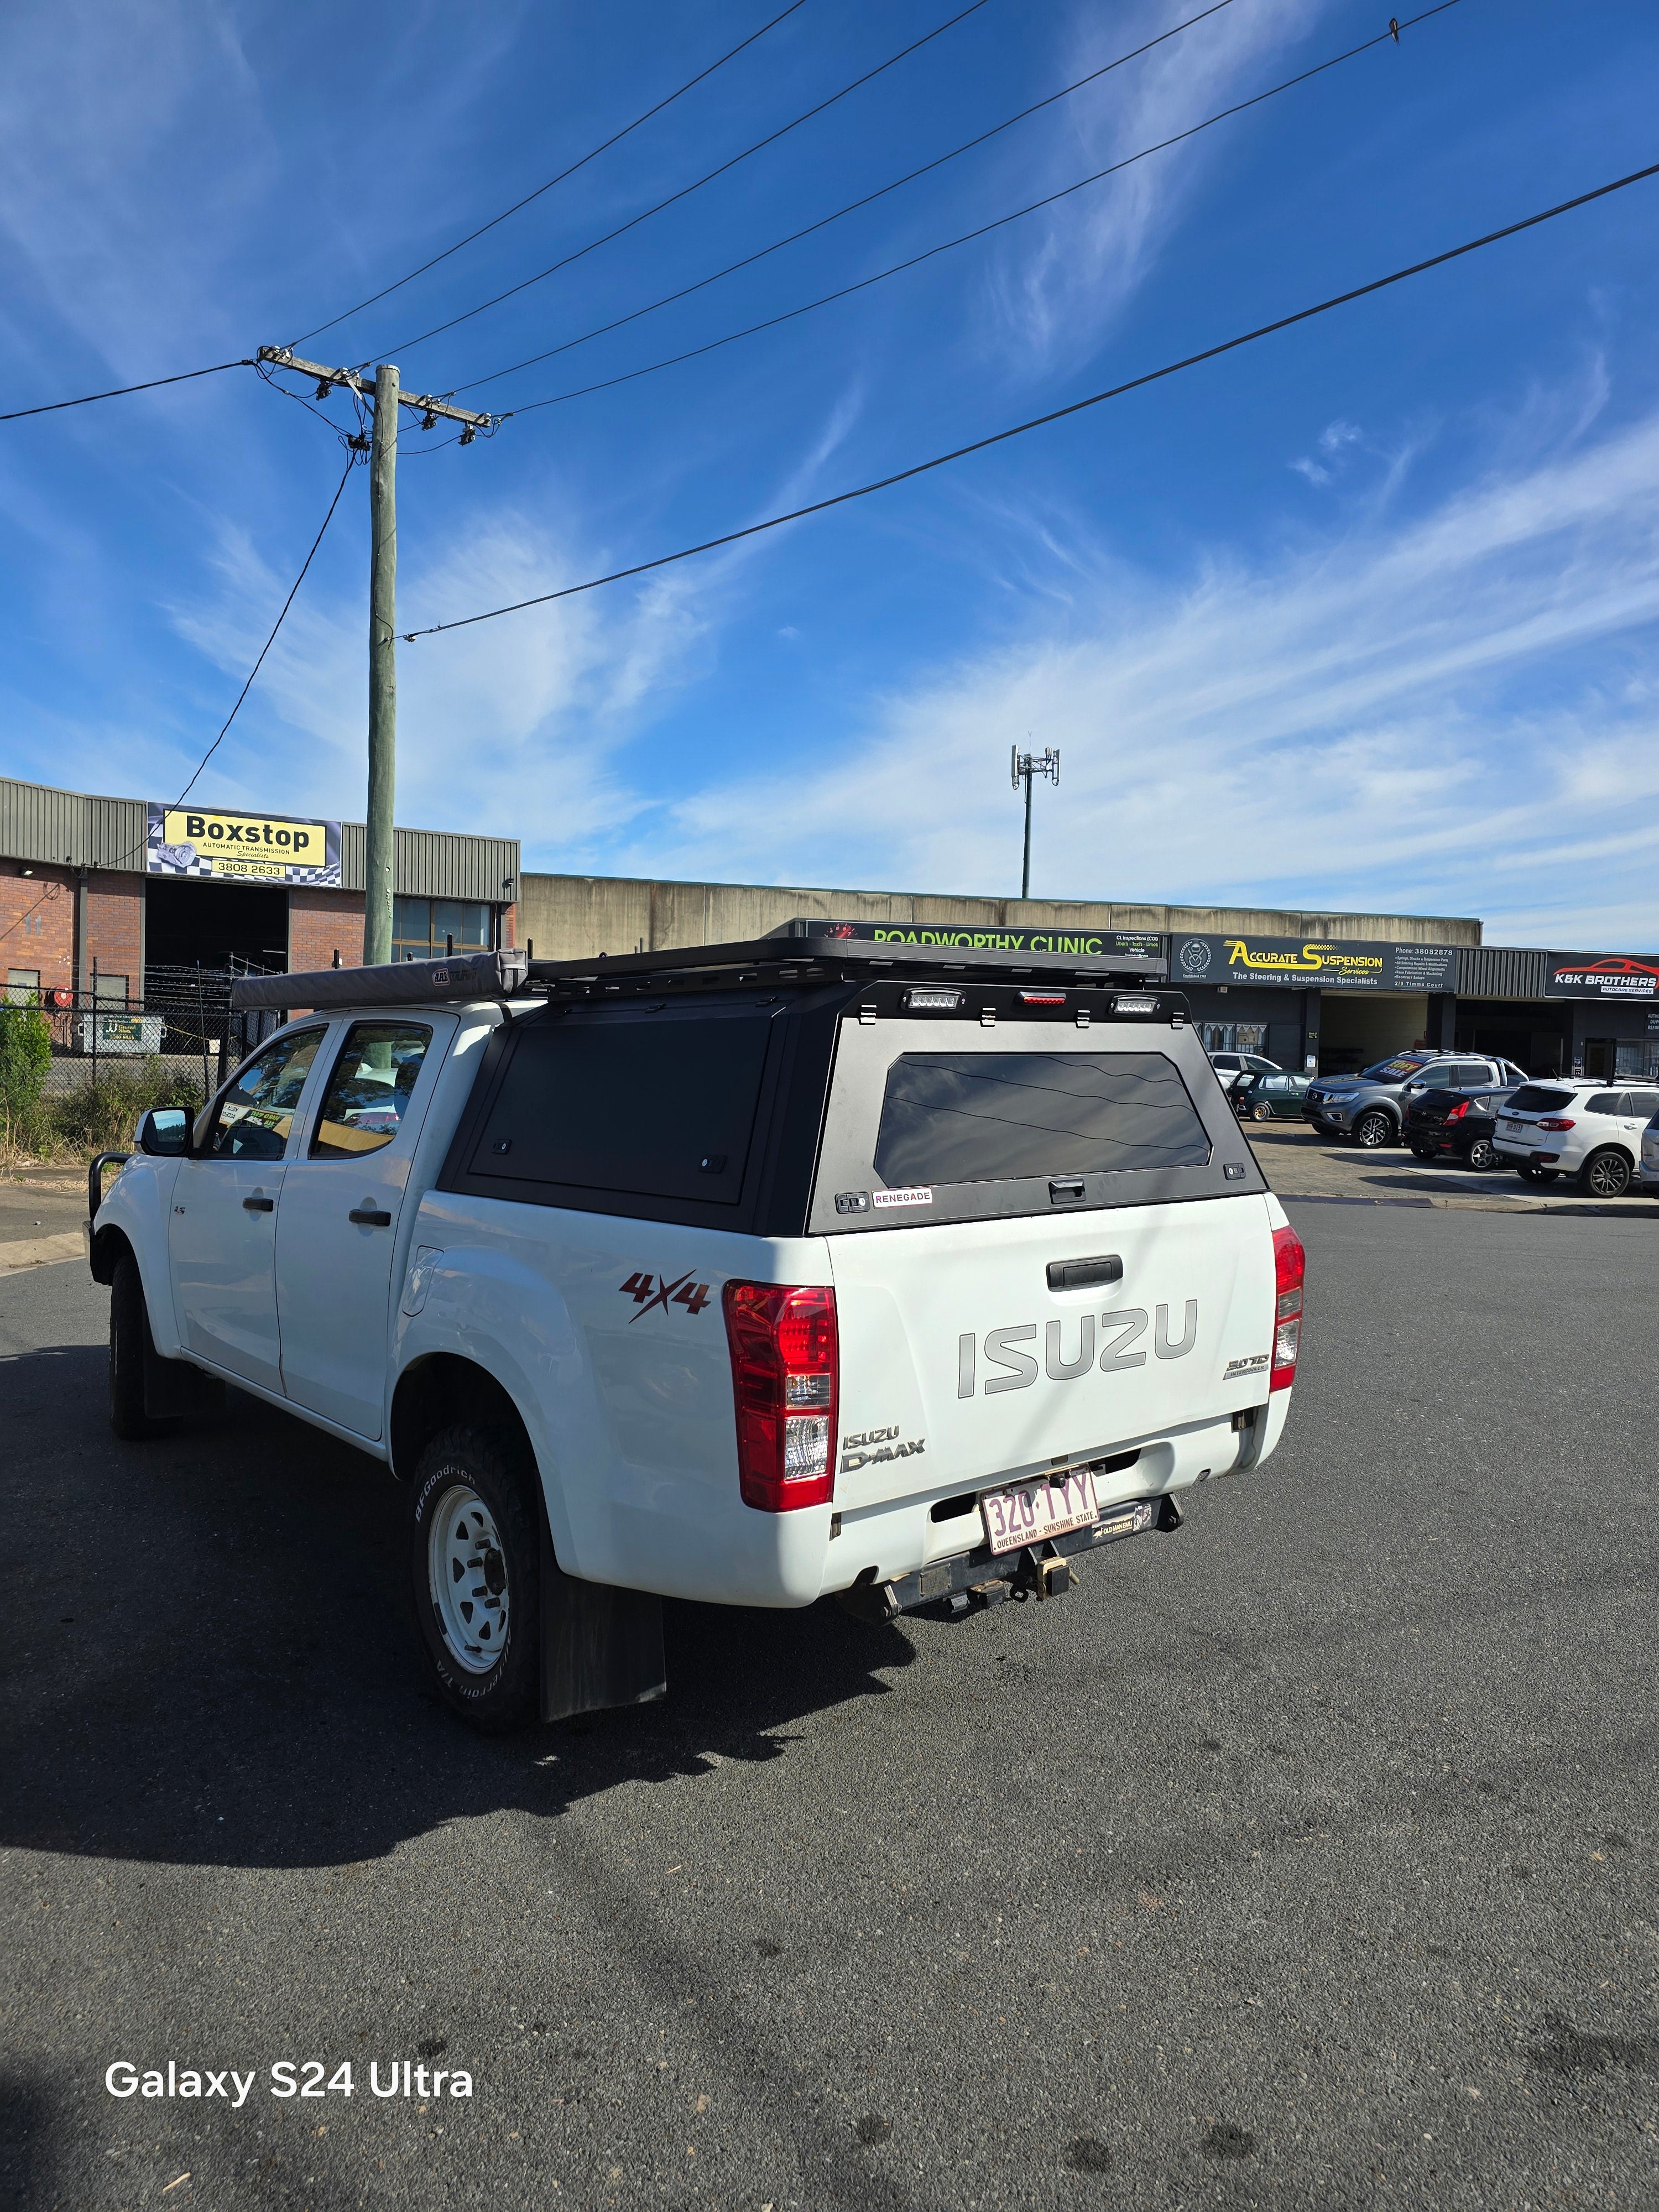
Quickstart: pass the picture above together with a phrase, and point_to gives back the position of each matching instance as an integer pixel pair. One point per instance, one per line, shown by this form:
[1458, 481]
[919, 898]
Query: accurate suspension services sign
[1312, 964]
[241, 848]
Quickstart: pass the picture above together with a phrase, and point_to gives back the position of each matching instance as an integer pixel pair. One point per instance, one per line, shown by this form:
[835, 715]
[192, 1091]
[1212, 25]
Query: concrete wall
[572, 917]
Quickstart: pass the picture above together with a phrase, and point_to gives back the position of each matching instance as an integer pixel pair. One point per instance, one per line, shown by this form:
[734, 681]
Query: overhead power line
[121, 391]
[1055, 414]
[707, 178]
[352, 460]
[966, 238]
[592, 154]
[851, 208]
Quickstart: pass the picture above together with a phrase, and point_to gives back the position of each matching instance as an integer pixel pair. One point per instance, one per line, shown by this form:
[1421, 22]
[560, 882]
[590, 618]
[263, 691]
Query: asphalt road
[1305, 1856]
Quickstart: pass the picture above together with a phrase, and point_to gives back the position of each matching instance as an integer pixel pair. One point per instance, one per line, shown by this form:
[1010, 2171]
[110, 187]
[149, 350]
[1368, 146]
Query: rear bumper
[982, 1577]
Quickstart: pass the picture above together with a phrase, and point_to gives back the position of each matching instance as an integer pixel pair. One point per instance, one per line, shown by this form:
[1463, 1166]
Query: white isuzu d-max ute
[748, 1274]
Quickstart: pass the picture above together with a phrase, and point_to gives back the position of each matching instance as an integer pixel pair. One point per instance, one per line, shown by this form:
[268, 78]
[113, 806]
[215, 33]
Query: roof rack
[993, 954]
[819, 948]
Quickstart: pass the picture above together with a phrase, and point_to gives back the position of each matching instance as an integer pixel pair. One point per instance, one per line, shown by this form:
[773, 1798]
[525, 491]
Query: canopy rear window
[969, 1117]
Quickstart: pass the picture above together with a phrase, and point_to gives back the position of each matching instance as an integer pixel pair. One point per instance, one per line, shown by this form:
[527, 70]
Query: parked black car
[1455, 1125]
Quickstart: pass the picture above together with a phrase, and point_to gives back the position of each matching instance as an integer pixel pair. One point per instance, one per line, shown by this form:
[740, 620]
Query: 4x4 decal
[649, 1292]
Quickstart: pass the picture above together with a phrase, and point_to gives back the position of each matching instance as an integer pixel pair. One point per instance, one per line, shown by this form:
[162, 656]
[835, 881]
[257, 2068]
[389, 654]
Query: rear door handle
[370, 1217]
[255, 1206]
[1084, 1275]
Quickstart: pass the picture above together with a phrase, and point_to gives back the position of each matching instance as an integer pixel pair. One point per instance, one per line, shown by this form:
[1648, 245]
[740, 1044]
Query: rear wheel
[130, 1346]
[1262, 1111]
[1372, 1131]
[475, 1563]
[1605, 1174]
[1482, 1154]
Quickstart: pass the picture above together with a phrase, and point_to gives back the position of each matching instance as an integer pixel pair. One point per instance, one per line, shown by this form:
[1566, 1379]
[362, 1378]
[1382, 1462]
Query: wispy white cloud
[1454, 713]
[1062, 277]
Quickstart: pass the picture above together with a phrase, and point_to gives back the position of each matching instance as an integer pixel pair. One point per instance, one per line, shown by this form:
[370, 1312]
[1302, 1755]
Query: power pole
[379, 880]
[1025, 767]
[378, 869]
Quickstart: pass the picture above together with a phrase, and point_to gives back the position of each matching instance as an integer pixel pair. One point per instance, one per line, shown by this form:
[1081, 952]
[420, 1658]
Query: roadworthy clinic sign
[241, 848]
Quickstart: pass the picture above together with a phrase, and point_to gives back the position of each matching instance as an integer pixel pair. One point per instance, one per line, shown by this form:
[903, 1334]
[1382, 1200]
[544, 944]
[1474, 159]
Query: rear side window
[1606, 1102]
[987, 1117]
[649, 1106]
[1534, 1098]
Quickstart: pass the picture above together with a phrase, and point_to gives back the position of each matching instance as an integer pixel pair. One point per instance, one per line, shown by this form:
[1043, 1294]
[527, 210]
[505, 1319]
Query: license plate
[1038, 1510]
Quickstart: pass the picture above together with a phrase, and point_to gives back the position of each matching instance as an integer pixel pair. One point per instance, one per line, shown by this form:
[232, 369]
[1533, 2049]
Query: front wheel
[1372, 1131]
[1605, 1174]
[1482, 1155]
[130, 1346]
[475, 1562]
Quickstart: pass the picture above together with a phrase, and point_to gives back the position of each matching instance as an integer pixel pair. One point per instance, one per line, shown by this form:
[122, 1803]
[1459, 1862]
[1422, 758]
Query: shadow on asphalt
[222, 1663]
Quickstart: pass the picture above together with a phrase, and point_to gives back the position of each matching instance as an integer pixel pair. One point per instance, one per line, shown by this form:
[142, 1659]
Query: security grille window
[647, 1106]
[255, 1116]
[110, 990]
[425, 929]
[1534, 1098]
[987, 1117]
[23, 986]
[374, 1079]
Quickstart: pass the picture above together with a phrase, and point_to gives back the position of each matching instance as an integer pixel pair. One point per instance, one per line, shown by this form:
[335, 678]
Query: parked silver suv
[1370, 1107]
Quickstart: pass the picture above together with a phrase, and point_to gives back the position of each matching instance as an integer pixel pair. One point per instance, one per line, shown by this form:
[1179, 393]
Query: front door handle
[256, 1205]
[370, 1217]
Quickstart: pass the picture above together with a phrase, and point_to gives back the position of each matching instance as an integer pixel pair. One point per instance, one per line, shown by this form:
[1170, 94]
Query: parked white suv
[747, 1274]
[1233, 1068]
[1590, 1129]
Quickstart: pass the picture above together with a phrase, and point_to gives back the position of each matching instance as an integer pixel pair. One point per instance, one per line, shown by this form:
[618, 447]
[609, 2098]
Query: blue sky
[1364, 616]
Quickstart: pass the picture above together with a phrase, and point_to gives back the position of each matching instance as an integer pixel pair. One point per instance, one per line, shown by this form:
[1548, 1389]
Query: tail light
[1290, 1266]
[1553, 1124]
[784, 1374]
[1458, 1112]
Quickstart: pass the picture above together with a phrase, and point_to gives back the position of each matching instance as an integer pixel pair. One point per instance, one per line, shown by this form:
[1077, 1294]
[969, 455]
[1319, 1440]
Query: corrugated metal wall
[435, 864]
[71, 828]
[1501, 971]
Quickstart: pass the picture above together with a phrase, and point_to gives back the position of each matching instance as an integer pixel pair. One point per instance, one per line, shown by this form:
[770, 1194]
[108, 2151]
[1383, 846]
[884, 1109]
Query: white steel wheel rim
[466, 1572]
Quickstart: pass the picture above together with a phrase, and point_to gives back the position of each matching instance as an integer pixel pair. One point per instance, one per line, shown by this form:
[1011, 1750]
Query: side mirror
[163, 1131]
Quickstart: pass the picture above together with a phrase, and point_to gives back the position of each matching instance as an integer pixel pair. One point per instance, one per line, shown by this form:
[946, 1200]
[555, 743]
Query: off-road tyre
[131, 1347]
[1373, 1131]
[475, 1567]
[1482, 1156]
[1606, 1174]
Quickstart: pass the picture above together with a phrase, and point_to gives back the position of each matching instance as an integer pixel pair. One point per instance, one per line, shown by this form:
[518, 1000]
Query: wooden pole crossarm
[283, 357]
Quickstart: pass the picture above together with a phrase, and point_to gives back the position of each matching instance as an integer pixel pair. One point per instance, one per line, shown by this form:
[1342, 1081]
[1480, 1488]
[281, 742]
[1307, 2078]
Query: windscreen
[657, 1105]
[965, 1117]
[1398, 1070]
[1532, 1098]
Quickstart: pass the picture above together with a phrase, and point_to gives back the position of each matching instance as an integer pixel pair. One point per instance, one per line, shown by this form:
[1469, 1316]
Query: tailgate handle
[1066, 1193]
[1084, 1275]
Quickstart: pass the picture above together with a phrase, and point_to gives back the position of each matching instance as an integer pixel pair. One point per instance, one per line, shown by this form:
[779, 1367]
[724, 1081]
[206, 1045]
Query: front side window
[991, 1117]
[252, 1120]
[374, 1079]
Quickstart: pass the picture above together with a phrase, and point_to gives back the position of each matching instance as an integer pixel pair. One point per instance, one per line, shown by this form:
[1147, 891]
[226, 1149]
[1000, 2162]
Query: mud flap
[600, 1646]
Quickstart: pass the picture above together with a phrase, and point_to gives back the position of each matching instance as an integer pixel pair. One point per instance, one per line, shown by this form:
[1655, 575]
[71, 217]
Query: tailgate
[959, 1362]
